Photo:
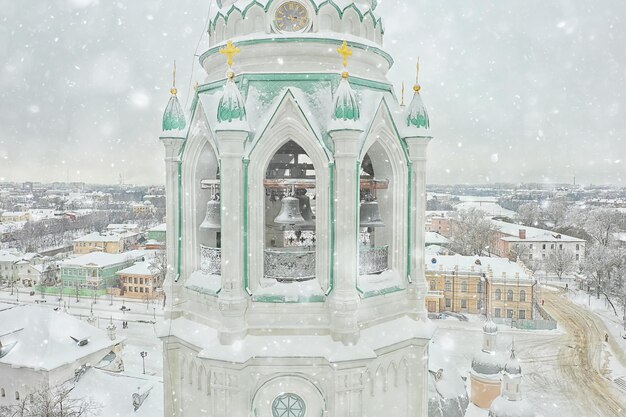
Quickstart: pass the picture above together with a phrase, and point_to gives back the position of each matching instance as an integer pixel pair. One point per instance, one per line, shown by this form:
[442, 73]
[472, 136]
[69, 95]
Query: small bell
[290, 212]
[370, 214]
[213, 219]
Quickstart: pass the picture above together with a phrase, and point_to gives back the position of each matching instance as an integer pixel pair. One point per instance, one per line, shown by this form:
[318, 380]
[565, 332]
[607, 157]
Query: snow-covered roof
[105, 237]
[8, 257]
[123, 226]
[159, 228]
[44, 337]
[13, 213]
[140, 268]
[434, 238]
[533, 234]
[103, 259]
[487, 364]
[502, 407]
[478, 265]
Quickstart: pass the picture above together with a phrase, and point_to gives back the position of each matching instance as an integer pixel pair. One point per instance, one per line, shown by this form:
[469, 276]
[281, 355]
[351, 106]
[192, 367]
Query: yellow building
[15, 216]
[139, 281]
[479, 285]
[104, 242]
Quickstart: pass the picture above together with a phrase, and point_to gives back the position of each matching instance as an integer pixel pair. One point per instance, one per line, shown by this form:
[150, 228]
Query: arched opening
[522, 295]
[17, 395]
[509, 295]
[498, 294]
[290, 216]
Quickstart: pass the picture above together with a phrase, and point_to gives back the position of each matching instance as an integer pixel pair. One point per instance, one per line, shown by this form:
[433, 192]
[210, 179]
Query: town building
[286, 295]
[108, 242]
[142, 209]
[43, 348]
[139, 281]
[94, 273]
[15, 216]
[157, 233]
[439, 223]
[480, 285]
[123, 228]
[534, 244]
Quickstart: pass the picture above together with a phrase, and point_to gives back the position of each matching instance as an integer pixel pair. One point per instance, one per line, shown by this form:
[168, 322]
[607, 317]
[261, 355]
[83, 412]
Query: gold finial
[417, 86]
[230, 51]
[402, 100]
[345, 53]
[173, 90]
[195, 86]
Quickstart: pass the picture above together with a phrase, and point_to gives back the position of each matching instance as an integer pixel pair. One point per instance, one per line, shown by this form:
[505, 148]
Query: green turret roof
[174, 117]
[416, 113]
[346, 106]
[232, 107]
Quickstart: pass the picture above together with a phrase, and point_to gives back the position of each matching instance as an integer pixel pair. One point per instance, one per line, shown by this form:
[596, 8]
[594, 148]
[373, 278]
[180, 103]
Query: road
[582, 359]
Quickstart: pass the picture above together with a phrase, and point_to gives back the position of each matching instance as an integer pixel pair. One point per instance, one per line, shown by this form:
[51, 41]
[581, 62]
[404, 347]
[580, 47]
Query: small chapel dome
[487, 364]
[490, 327]
[512, 366]
[174, 116]
[416, 113]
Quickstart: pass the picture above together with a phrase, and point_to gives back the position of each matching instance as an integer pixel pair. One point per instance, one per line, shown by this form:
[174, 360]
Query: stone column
[418, 288]
[232, 300]
[172, 286]
[344, 301]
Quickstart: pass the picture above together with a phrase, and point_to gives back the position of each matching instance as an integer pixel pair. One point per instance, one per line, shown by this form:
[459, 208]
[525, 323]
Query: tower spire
[231, 107]
[174, 116]
[346, 104]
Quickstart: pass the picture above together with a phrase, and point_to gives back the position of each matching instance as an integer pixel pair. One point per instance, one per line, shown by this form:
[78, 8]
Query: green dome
[231, 107]
[346, 105]
[174, 117]
[416, 114]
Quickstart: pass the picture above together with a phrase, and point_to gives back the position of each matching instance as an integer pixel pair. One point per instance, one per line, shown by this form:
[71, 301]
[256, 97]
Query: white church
[295, 218]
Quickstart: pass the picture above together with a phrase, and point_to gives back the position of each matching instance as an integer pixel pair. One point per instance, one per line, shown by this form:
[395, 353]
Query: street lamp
[143, 354]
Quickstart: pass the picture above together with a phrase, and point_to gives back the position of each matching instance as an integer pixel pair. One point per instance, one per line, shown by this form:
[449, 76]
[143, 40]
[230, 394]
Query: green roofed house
[94, 273]
[157, 233]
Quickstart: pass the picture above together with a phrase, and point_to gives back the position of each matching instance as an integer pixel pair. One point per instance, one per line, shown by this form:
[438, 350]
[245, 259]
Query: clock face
[291, 16]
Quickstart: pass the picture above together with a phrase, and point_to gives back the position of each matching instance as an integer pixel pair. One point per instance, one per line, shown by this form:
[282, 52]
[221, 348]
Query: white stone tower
[510, 403]
[295, 221]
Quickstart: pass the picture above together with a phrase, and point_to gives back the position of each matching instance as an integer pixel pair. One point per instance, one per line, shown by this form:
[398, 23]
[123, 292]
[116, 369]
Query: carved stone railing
[210, 260]
[289, 265]
[373, 260]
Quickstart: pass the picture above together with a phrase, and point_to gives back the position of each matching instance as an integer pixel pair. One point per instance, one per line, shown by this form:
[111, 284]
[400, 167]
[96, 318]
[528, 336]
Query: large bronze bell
[370, 215]
[290, 212]
[307, 213]
[213, 219]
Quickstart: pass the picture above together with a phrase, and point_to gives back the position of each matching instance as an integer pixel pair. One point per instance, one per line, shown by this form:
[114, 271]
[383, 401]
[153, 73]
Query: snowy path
[582, 359]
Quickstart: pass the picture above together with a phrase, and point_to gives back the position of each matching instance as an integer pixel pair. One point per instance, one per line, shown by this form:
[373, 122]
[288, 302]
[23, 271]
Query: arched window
[464, 286]
[448, 286]
[17, 395]
[433, 285]
[290, 213]
[2, 393]
[509, 295]
[498, 294]
[522, 295]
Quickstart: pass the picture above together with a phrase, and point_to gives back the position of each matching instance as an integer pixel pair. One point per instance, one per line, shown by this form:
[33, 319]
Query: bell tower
[296, 202]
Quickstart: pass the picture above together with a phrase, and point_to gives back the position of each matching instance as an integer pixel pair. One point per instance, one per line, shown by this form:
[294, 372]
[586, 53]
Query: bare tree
[529, 214]
[473, 233]
[605, 268]
[601, 224]
[560, 262]
[556, 213]
[159, 263]
[51, 402]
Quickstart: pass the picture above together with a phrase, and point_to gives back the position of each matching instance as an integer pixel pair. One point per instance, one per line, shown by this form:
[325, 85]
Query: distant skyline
[517, 91]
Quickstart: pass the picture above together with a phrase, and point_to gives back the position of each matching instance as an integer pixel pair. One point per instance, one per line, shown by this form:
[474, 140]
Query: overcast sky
[517, 90]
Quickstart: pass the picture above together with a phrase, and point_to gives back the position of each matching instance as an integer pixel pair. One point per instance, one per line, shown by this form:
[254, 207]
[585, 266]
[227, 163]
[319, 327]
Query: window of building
[552, 246]
[543, 246]
[480, 287]
[140, 289]
[463, 303]
[509, 295]
[577, 257]
[135, 280]
[433, 285]
[448, 303]
[17, 395]
[522, 314]
[136, 290]
[532, 246]
[497, 313]
[577, 246]
[561, 246]
[498, 294]
[509, 314]
[448, 286]
[522, 295]
[464, 287]
[141, 281]
[530, 256]
[2, 393]
[543, 256]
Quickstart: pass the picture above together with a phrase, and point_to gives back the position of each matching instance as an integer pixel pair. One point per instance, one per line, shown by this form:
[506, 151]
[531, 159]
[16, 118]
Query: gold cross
[345, 53]
[230, 51]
